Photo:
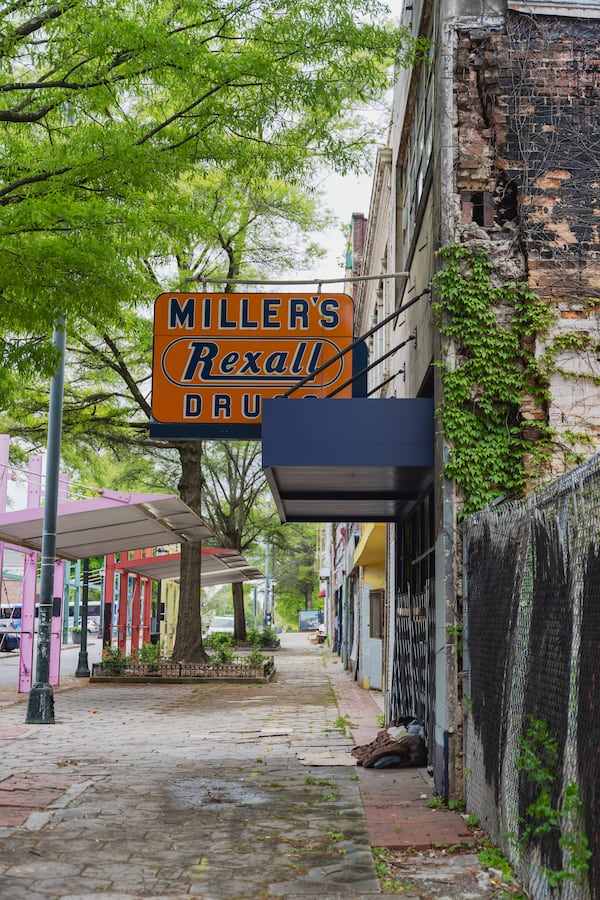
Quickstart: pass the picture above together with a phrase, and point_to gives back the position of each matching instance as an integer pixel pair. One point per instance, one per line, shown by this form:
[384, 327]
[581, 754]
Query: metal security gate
[412, 689]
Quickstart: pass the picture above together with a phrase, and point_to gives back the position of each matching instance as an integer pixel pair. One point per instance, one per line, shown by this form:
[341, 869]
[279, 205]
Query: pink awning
[110, 523]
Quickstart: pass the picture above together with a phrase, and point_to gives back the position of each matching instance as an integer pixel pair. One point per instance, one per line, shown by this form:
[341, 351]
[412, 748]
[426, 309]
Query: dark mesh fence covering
[588, 709]
[493, 578]
[532, 667]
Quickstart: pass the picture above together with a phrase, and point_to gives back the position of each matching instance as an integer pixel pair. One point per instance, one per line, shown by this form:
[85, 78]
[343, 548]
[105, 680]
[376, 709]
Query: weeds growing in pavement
[492, 857]
[439, 803]
[389, 884]
[344, 725]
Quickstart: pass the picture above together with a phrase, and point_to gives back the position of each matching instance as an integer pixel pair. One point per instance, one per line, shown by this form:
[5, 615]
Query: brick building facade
[528, 175]
[492, 146]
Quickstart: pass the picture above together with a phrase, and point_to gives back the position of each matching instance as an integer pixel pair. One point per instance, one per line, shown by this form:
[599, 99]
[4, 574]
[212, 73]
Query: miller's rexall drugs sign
[217, 356]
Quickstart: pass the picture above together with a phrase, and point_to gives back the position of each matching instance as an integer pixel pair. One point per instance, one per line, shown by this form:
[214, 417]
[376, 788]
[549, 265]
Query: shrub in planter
[150, 655]
[222, 654]
[114, 660]
[256, 658]
[268, 637]
[218, 639]
[265, 638]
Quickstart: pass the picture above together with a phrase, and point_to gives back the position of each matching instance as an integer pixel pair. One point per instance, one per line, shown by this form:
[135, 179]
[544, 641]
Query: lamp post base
[40, 708]
[83, 669]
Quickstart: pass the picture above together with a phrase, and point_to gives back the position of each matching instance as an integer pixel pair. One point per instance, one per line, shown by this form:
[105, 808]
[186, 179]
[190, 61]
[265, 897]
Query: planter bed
[264, 648]
[183, 672]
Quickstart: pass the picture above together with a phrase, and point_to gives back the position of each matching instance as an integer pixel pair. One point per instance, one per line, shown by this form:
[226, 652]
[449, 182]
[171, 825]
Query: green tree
[260, 222]
[112, 114]
[107, 403]
[237, 505]
[295, 571]
[107, 109]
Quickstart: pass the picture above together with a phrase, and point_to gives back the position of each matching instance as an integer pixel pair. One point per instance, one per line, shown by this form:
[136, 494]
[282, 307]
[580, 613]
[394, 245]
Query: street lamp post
[266, 611]
[83, 669]
[40, 706]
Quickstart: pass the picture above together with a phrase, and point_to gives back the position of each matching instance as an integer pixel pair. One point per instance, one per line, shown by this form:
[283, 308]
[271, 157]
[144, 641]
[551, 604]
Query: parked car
[9, 640]
[93, 626]
[220, 625]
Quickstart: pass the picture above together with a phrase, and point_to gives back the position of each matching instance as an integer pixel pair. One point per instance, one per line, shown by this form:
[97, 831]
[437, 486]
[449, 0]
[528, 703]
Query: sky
[344, 195]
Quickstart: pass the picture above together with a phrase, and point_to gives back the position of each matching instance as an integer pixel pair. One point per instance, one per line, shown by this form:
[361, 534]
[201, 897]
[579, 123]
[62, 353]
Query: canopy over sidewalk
[110, 523]
[220, 565]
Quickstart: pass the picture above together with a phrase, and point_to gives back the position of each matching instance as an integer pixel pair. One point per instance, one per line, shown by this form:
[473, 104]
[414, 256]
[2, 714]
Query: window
[411, 181]
[419, 548]
[376, 603]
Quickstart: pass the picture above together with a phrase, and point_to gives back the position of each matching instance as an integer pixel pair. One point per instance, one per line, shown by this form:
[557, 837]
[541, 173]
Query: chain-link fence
[532, 682]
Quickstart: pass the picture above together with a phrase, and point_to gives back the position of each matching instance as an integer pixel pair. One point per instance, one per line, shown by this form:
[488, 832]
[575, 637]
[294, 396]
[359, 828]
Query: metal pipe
[372, 365]
[317, 281]
[355, 343]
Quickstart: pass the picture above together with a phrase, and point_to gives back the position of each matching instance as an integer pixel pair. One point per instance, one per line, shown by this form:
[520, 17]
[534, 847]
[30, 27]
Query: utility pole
[40, 707]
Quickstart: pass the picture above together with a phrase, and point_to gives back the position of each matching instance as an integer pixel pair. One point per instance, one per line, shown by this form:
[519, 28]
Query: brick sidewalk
[394, 800]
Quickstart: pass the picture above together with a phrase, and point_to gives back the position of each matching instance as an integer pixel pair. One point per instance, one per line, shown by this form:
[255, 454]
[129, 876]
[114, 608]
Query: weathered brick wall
[528, 184]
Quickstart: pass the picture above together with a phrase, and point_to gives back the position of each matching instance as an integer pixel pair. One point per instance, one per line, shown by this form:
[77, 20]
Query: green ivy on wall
[493, 329]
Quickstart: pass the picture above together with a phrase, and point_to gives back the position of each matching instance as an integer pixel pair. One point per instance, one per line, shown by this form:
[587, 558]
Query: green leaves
[491, 327]
[108, 109]
[539, 761]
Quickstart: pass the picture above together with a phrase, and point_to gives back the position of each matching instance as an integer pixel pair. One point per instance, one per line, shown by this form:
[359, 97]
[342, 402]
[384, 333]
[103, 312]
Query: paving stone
[174, 791]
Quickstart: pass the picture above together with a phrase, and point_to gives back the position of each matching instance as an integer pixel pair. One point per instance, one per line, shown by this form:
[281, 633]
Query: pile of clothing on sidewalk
[319, 636]
[400, 744]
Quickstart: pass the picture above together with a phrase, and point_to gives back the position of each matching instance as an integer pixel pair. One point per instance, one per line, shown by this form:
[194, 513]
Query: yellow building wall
[170, 597]
[374, 576]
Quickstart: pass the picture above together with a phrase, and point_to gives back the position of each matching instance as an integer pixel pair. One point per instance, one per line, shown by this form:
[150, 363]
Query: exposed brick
[528, 107]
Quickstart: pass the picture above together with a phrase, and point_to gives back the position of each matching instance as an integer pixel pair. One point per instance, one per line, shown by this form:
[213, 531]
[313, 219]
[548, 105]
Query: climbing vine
[538, 761]
[493, 328]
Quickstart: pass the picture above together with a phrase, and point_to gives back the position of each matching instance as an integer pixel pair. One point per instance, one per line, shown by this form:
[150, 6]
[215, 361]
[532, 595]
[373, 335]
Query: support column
[28, 600]
[83, 669]
[108, 600]
[27, 621]
[136, 609]
[56, 621]
[4, 449]
[123, 610]
[147, 609]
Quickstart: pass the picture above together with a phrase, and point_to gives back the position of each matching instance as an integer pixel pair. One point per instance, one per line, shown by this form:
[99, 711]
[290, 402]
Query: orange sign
[217, 355]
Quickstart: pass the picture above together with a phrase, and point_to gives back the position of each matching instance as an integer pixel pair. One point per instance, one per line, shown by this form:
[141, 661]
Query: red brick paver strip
[12, 732]
[395, 801]
[20, 795]
[50, 782]
[417, 827]
[33, 799]
[10, 818]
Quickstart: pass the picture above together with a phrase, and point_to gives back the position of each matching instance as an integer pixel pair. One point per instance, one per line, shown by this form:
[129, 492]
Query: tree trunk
[239, 621]
[188, 637]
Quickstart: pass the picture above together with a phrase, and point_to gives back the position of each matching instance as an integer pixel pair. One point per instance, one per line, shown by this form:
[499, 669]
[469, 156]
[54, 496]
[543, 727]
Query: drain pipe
[446, 786]
[446, 545]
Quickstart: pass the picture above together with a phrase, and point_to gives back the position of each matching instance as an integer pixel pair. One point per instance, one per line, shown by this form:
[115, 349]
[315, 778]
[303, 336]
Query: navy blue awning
[355, 460]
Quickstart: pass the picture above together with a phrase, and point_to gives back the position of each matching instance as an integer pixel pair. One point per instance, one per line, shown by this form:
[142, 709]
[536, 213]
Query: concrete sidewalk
[172, 791]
